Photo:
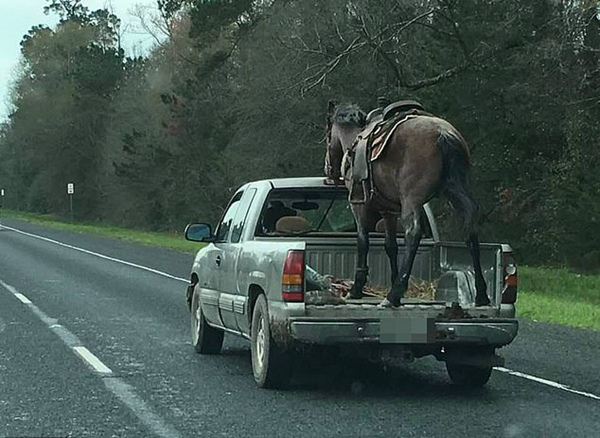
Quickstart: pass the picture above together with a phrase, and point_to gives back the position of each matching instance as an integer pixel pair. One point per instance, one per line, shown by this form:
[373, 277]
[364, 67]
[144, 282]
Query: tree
[69, 76]
[237, 91]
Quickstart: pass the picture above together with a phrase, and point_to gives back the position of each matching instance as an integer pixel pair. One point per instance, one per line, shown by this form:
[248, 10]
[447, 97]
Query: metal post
[1, 205]
[70, 191]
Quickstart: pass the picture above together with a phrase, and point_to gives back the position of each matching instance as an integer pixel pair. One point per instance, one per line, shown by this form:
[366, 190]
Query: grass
[174, 241]
[560, 296]
[545, 294]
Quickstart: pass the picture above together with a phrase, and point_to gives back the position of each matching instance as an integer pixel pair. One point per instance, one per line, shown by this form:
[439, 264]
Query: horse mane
[349, 114]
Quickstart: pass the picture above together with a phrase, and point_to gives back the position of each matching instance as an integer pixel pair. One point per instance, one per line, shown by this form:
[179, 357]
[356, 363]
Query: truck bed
[447, 266]
[338, 258]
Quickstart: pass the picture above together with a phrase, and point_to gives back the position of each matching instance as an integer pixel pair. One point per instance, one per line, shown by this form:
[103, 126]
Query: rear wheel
[467, 375]
[272, 366]
[205, 339]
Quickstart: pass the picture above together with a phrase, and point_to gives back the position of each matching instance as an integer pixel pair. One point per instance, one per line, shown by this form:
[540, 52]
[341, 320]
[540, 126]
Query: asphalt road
[60, 308]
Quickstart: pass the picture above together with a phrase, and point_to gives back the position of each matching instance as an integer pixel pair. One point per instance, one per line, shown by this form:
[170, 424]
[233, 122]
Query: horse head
[344, 122]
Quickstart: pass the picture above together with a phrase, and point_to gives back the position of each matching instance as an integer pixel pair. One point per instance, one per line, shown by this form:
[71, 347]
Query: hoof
[388, 304]
[482, 302]
[353, 297]
[355, 294]
[385, 303]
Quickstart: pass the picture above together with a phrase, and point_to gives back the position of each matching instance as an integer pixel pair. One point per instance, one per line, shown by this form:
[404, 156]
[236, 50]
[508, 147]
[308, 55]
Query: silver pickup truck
[267, 274]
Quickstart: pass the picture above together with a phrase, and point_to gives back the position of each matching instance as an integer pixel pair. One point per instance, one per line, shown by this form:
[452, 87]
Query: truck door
[217, 260]
[231, 301]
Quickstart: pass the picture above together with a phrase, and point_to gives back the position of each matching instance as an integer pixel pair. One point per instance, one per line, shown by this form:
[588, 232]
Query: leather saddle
[391, 110]
[370, 144]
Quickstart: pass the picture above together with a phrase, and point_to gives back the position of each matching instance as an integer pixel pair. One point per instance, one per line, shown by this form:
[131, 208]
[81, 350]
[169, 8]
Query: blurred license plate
[406, 330]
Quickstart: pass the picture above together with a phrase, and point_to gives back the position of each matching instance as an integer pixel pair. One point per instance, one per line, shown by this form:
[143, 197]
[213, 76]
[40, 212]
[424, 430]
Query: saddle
[370, 145]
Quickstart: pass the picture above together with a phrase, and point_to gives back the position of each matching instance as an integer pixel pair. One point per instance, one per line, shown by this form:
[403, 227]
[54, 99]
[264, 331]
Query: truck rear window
[314, 212]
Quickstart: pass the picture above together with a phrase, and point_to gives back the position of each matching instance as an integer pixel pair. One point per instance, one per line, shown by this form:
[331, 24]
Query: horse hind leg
[413, 231]
[468, 209]
[391, 244]
[481, 298]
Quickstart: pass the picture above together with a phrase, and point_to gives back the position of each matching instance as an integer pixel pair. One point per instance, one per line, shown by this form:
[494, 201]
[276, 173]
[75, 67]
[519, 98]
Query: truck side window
[225, 225]
[242, 213]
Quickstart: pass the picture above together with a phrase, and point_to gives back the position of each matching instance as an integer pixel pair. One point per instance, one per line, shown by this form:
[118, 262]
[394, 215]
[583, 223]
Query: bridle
[328, 166]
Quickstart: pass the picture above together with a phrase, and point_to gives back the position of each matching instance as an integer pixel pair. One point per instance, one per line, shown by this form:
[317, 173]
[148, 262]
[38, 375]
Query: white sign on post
[70, 189]
[2, 192]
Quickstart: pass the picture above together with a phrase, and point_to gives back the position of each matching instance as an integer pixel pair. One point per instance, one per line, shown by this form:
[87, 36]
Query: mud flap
[188, 296]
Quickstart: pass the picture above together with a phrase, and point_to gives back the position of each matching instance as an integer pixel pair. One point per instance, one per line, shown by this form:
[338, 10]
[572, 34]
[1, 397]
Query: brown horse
[425, 157]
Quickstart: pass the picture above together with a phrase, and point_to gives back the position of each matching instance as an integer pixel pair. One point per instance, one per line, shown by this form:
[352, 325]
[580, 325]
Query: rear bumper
[490, 332]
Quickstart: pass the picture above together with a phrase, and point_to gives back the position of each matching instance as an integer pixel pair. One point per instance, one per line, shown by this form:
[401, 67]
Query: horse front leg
[481, 298]
[362, 269]
[413, 230]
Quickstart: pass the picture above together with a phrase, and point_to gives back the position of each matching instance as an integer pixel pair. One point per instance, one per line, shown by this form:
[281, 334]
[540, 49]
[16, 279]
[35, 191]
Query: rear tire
[272, 366]
[468, 376]
[205, 339]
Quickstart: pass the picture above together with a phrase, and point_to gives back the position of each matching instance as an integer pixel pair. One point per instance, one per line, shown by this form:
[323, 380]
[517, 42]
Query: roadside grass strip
[102, 256]
[554, 295]
[559, 296]
[138, 406]
[174, 241]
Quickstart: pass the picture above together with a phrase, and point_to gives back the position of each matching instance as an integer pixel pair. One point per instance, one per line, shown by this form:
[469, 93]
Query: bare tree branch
[394, 66]
[455, 30]
[404, 25]
[320, 76]
[436, 79]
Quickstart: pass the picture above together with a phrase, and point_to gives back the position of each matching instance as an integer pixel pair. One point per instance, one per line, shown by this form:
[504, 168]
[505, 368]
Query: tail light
[293, 277]
[509, 268]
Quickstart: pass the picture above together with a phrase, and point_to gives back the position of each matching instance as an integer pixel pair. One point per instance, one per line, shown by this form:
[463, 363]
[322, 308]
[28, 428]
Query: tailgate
[413, 323]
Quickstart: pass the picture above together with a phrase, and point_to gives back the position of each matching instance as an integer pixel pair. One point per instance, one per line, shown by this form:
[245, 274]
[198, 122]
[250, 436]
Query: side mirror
[199, 233]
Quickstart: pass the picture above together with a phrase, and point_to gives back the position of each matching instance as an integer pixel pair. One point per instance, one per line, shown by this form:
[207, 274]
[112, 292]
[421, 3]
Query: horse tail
[454, 183]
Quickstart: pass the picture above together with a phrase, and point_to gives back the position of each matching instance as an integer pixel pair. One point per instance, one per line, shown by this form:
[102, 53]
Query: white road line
[8, 287]
[125, 392]
[23, 298]
[92, 360]
[164, 274]
[546, 382]
[102, 256]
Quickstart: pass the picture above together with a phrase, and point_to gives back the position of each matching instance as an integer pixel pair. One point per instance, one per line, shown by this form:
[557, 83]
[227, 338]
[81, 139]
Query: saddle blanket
[382, 135]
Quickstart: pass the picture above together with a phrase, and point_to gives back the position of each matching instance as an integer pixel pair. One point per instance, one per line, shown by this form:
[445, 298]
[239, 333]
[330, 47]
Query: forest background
[237, 90]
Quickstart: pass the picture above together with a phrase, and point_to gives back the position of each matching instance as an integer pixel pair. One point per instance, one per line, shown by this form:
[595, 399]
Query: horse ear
[331, 107]
[362, 118]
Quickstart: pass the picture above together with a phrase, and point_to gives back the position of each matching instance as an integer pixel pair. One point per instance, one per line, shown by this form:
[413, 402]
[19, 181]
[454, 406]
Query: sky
[17, 17]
